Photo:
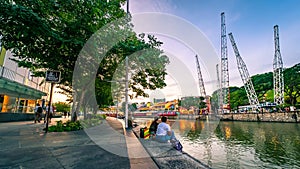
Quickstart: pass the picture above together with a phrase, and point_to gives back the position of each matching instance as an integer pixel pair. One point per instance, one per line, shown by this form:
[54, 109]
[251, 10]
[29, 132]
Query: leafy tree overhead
[50, 35]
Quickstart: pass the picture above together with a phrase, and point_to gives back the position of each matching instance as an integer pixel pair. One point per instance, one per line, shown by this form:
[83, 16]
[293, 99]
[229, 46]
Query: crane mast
[219, 91]
[200, 79]
[252, 97]
[225, 98]
[278, 81]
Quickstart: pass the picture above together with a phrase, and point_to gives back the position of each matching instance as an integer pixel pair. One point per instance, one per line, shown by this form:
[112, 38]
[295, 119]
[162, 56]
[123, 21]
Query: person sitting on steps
[153, 127]
[164, 132]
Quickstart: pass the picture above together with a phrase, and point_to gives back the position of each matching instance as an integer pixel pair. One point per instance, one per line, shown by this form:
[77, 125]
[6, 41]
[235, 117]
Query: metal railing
[22, 79]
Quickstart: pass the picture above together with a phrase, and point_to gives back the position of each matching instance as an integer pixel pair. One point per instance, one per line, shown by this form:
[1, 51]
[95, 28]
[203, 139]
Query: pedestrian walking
[50, 113]
[38, 110]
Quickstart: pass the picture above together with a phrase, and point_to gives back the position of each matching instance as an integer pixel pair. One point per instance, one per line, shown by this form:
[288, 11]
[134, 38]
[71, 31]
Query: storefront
[18, 98]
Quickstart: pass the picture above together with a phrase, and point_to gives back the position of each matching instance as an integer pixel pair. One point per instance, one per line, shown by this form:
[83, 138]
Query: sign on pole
[53, 76]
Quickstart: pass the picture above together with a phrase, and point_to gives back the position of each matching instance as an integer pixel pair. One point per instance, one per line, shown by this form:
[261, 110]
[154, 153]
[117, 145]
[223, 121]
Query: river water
[240, 144]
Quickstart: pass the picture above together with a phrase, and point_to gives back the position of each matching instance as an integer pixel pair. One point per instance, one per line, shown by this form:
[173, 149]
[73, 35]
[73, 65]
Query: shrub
[67, 126]
[77, 125]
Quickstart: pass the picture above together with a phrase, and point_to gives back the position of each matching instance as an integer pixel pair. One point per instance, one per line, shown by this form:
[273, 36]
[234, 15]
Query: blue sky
[250, 21]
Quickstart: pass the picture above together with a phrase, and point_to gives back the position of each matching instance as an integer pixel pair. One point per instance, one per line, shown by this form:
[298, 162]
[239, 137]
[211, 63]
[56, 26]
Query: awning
[15, 89]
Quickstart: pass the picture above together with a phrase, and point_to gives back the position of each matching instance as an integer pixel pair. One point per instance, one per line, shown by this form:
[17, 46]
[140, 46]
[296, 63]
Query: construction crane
[219, 91]
[252, 97]
[225, 97]
[277, 71]
[200, 79]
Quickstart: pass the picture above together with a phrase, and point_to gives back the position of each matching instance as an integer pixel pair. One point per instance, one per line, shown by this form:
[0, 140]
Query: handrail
[22, 79]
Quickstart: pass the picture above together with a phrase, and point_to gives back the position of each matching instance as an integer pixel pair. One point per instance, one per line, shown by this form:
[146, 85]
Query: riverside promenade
[109, 145]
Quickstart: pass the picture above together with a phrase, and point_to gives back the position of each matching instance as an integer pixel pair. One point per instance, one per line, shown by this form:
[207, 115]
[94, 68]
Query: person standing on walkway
[50, 113]
[38, 110]
[164, 132]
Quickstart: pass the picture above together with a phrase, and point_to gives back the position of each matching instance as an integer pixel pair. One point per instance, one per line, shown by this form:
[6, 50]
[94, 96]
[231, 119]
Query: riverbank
[288, 117]
[165, 156]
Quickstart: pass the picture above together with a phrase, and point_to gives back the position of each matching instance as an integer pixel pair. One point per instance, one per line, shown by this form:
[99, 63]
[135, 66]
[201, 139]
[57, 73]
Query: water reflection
[246, 144]
[241, 144]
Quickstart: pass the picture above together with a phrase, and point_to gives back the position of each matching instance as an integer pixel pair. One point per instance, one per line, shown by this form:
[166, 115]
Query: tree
[193, 101]
[292, 84]
[51, 34]
[62, 107]
[131, 107]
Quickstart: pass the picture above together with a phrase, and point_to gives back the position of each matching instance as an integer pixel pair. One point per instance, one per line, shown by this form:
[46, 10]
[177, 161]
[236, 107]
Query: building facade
[19, 90]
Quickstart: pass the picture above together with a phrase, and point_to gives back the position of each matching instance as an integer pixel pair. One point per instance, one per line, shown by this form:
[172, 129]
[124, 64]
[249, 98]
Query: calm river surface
[240, 144]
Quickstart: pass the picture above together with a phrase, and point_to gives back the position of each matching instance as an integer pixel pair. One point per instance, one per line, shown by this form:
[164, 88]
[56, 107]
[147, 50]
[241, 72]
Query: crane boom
[200, 79]
[252, 97]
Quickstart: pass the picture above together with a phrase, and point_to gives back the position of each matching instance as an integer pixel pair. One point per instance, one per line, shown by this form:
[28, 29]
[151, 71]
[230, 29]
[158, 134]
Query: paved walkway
[108, 145]
[138, 156]
[26, 145]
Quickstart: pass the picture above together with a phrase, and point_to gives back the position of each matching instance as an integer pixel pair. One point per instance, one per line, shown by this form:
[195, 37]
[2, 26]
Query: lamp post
[126, 93]
[126, 81]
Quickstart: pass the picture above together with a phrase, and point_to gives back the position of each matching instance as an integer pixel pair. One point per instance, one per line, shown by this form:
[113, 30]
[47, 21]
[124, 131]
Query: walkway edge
[138, 155]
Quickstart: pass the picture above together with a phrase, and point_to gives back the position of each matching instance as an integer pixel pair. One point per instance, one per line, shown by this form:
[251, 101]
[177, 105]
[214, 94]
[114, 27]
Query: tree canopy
[51, 34]
[44, 34]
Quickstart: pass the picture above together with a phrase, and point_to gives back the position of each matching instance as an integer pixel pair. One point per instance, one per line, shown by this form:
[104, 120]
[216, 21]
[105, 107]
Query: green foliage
[62, 107]
[50, 35]
[197, 102]
[77, 125]
[131, 107]
[67, 126]
[94, 120]
[292, 85]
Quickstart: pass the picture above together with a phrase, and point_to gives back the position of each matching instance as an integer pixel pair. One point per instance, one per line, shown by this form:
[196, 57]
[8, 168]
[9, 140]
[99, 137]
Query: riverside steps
[165, 156]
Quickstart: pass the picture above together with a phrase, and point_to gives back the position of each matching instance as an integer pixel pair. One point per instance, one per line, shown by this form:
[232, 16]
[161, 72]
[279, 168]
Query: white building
[19, 91]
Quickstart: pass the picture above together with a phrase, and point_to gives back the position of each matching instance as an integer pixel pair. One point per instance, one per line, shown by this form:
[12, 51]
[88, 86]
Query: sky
[251, 23]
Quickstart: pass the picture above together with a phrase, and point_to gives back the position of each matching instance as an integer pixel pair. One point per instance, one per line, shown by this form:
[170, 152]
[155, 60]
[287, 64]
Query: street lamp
[126, 91]
[126, 81]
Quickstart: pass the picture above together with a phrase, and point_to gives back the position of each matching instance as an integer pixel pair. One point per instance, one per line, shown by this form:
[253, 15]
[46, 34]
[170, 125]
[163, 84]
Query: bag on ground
[177, 145]
[144, 133]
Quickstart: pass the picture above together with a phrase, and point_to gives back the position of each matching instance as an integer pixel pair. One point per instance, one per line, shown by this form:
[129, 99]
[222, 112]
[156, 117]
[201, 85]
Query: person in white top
[37, 113]
[164, 132]
[50, 113]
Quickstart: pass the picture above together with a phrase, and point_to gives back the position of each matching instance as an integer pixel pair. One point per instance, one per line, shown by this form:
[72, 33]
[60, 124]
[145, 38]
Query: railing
[22, 79]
